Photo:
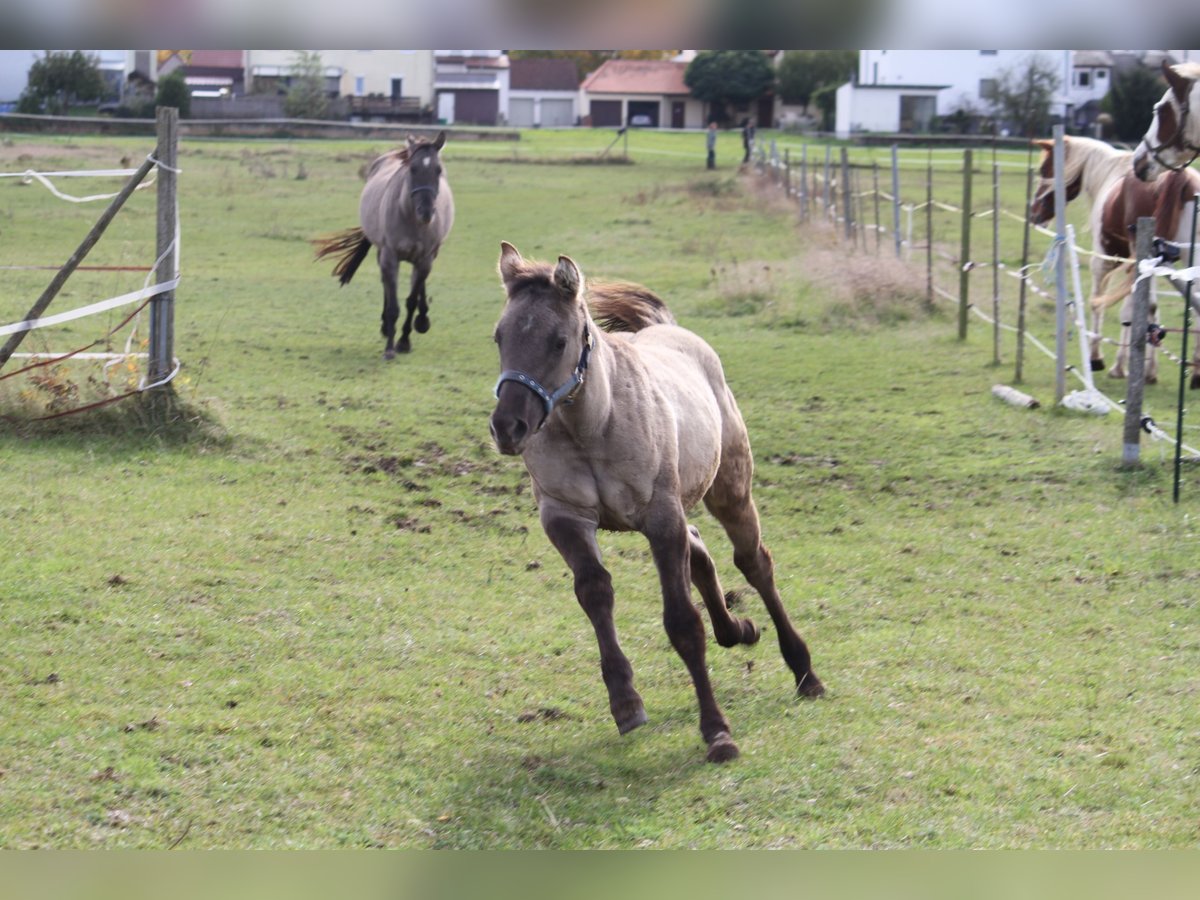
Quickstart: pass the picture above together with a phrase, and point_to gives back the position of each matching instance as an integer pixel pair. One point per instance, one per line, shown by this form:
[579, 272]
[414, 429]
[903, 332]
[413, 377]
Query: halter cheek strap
[1177, 138]
[565, 393]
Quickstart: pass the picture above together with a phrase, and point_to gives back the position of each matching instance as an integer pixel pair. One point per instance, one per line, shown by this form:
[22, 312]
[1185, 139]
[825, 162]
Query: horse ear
[510, 262]
[440, 142]
[1179, 84]
[567, 277]
[1042, 144]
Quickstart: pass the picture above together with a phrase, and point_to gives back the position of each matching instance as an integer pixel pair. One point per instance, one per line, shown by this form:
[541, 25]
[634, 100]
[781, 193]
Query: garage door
[520, 112]
[557, 113]
[606, 113]
[476, 107]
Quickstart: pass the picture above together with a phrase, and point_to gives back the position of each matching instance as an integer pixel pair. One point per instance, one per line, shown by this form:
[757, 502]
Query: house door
[677, 107]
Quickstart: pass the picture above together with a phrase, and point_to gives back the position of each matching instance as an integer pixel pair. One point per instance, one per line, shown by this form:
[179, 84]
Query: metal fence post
[964, 273]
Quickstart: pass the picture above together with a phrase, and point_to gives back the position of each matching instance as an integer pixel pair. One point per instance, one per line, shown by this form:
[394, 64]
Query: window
[360, 85]
[1083, 79]
[987, 88]
[988, 52]
[1101, 74]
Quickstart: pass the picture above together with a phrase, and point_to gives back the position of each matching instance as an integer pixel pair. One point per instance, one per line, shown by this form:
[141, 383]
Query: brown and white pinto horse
[1172, 142]
[1118, 200]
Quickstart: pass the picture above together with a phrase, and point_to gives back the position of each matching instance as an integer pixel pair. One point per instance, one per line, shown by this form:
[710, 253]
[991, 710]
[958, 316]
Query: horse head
[1041, 207]
[425, 174]
[544, 341]
[1173, 139]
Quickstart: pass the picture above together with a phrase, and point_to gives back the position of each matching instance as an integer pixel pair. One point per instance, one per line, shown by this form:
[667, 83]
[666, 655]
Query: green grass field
[328, 617]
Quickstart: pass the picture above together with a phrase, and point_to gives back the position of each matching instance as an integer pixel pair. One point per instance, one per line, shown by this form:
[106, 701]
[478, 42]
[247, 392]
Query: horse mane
[1188, 70]
[625, 306]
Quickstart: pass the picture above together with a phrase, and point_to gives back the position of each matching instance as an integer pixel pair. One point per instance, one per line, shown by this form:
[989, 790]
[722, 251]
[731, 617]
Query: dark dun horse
[406, 211]
[627, 432]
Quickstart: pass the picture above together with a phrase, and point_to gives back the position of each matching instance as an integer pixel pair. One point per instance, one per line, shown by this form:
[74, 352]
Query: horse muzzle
[1143, 164]
[515, 419]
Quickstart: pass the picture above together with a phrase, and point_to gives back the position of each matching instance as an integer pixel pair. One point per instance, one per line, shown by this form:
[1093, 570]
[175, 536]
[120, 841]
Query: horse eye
[560, 345]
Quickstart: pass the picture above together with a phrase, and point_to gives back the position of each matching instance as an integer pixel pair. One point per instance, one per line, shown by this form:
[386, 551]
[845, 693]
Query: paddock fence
[926, 211]
[151, 358]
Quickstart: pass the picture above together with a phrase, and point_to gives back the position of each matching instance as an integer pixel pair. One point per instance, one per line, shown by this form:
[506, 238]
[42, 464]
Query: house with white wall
[543, 93]
[389, 74]
[472, 86]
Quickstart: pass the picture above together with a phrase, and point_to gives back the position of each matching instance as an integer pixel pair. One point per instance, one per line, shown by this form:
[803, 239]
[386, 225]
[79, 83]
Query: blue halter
[566, 392]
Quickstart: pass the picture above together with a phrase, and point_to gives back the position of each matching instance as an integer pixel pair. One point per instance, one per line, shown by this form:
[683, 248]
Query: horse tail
[624, 306]
[352, 245]
[1114, 287]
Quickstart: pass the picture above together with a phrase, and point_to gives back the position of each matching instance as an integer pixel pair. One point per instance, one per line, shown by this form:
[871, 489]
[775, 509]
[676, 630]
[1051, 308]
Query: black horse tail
[624, 306]
[351, 244]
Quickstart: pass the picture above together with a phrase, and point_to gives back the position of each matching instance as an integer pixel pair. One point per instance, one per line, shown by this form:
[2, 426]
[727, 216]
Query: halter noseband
[1177, 139]
[565, 393]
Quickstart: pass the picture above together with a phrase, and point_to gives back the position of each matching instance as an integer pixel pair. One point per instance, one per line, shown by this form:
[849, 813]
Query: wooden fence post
[929, 232]
[847, 206]
[804, 183]
[162, 307]
[1131, 448]
[964, 274]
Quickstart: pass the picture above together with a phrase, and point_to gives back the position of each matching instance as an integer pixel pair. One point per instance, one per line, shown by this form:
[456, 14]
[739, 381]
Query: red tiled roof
[217, 59]
[543, 74]
[637, 76]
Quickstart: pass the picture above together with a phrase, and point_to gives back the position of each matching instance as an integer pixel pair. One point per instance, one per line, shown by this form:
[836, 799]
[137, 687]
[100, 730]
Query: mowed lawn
[326, 616]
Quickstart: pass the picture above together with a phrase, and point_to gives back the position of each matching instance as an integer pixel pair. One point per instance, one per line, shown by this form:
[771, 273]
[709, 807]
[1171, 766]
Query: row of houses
[893, 91]
[473, 87]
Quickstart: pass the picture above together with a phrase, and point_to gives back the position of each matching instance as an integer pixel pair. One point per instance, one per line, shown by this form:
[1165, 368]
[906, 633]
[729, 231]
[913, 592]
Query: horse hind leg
[730, 502]
[728, 629]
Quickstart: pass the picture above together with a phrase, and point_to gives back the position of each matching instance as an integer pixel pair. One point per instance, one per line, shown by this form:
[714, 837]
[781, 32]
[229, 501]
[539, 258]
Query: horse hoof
[750, 632]
[1097, 365]
[810, 686]
[404, 346]
[389, 354]
[1151, 379]
[634, 720]
[722, 749]
[1195, 382]
[422, 324]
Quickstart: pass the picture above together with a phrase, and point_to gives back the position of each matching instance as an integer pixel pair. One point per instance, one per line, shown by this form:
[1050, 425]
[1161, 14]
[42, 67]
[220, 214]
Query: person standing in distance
[710, 139]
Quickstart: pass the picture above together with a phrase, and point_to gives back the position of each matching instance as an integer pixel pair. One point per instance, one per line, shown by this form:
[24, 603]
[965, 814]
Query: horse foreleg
[728, 629]
[388, 270]
[420, 275]
[575, 540]
[670, 545]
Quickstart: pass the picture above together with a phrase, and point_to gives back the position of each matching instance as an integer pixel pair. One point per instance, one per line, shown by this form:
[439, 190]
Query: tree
[60, 79]
[306, 95]
[1023, 93]
[173, 91]
[1130, 101]
[803, 72]
[720, 77]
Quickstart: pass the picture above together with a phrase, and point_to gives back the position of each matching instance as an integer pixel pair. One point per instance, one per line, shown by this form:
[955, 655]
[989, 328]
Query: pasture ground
[329, 617]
